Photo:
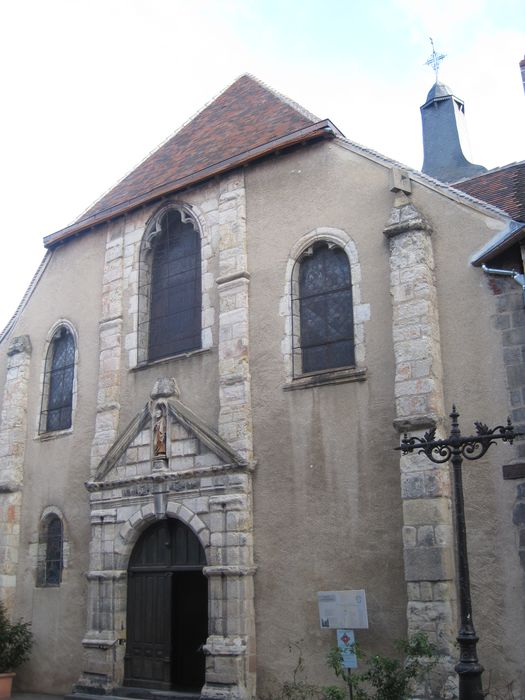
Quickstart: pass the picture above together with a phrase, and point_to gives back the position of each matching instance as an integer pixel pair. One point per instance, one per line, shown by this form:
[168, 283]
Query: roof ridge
[284, 98]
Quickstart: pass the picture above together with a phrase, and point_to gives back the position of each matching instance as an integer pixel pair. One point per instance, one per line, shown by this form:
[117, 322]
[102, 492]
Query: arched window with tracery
[59, 376]
[323, 308]
[51, 551]
[173, 322]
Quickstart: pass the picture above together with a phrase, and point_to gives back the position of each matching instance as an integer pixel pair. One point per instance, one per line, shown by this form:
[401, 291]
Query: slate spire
[444, 136]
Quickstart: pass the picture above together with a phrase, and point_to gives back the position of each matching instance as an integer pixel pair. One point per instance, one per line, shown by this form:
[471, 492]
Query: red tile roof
[503, 187]
[241, 120]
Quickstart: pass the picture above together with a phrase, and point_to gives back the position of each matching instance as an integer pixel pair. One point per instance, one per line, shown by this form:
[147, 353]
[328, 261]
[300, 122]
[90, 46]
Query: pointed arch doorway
[167, 612]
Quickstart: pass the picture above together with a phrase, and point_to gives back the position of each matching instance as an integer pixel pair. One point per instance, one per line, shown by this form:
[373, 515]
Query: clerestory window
[57, 397]
[324, 309]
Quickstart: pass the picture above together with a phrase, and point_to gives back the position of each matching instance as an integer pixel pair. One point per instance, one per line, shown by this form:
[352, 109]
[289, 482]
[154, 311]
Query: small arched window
[324, 285]
[57, 398]
[175, 292]
[51, 548]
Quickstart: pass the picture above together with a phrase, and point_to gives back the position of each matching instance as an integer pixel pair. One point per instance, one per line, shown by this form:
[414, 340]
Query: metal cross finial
[435, 59]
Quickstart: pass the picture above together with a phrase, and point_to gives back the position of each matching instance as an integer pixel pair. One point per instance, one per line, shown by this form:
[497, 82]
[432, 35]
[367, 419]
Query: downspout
[516, 276]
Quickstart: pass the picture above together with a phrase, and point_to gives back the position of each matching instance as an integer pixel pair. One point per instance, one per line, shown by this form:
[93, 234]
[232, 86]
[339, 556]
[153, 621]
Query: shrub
[388, 678]
[16, 641]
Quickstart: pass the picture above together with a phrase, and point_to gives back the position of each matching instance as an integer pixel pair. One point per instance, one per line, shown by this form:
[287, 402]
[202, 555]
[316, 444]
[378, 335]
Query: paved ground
[35, 696]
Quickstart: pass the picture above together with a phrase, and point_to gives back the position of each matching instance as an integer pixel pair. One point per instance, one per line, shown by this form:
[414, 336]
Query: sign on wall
[345, 642]
[342, 609]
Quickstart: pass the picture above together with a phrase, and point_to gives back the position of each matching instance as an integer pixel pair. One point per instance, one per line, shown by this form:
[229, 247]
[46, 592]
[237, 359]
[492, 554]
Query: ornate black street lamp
[454, 448]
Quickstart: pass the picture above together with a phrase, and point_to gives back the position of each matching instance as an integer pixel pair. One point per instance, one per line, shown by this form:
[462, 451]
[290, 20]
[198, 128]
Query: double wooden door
[167, 619]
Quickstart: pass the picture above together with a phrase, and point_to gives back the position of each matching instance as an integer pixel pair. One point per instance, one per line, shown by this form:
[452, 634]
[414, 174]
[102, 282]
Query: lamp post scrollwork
[455, 448]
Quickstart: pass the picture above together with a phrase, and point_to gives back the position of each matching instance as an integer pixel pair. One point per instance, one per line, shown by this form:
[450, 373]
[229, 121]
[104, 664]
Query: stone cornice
[407, 424]
[229, 570]
[418, 224]
[160, 477]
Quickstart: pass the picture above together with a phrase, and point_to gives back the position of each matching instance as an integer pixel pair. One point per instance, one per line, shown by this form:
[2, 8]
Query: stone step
[137, 694]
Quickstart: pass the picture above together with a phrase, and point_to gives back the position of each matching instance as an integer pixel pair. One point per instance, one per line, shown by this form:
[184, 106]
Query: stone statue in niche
[159, 431]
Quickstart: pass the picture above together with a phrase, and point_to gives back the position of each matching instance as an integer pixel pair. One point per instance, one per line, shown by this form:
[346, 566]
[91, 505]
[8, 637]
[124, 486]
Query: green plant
[298, 688]
[16, 641]
[387, 678]
[333, 692]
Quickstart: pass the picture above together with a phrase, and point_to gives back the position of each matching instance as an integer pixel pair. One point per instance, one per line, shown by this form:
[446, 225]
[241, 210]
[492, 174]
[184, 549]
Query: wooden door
[167, 619]
[149, 645]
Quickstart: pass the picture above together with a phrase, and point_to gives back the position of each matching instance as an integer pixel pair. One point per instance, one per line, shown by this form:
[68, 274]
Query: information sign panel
[342, 609]
[345, 642]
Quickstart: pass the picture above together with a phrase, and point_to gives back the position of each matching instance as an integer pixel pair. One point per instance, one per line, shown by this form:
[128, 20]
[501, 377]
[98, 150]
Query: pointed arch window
[51, 548]
[324, 309]
[57, 398]
[175, 295]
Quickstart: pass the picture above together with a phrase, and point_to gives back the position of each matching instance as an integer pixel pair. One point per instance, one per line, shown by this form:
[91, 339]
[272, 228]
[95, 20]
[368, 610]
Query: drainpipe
[516, 276]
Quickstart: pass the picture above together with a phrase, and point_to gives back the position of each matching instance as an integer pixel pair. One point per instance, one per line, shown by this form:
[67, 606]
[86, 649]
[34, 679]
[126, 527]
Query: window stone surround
[137, 256]
[40, 432]
[290, 344]
[38, 545]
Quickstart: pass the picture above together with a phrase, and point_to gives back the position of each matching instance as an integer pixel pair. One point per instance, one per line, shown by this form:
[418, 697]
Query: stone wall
[199, 481]
[425, 486]
[203, 483]
[509, 320]
[13, 435]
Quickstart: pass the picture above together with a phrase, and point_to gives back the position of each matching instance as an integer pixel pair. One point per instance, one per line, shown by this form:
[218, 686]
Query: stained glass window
[60, 372]
[325, 309]
[51, 544]
[175, 296]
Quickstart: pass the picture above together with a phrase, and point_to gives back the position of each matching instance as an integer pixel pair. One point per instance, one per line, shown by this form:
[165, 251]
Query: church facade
[202, 391]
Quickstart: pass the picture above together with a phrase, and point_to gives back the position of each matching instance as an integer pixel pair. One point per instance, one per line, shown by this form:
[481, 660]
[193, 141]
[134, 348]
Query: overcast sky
[89, 87]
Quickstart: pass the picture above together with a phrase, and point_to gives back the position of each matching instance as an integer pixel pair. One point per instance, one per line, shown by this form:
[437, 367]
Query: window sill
[336, 376]
[53, 435]
[170, 358]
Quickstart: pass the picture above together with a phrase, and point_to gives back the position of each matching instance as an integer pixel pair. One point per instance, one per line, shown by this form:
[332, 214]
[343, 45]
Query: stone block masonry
[235, 419]
[509, 320]
[13, 433]
[204, 489]
[425, 486]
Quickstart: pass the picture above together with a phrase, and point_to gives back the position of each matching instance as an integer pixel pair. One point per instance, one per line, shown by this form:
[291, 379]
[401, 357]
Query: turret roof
[439, 91]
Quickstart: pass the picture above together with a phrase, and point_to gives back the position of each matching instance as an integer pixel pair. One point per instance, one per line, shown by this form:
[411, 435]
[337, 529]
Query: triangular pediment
[165, 436]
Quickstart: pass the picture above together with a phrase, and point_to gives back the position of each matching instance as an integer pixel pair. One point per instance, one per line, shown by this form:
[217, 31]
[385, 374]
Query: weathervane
[435, 59]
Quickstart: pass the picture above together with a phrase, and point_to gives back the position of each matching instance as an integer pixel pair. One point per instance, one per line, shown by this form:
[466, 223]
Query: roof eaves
[27, 295]
[324, 128]
[514, 233]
